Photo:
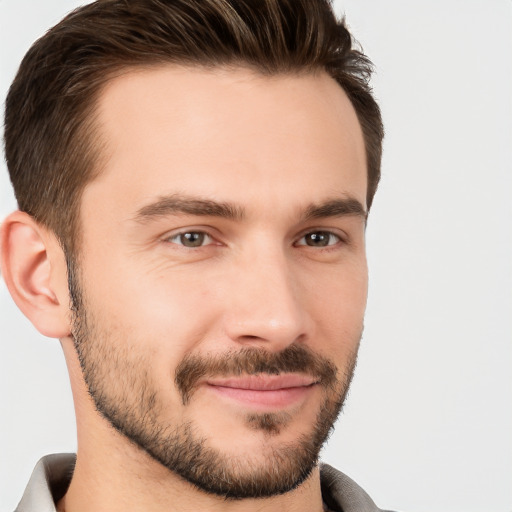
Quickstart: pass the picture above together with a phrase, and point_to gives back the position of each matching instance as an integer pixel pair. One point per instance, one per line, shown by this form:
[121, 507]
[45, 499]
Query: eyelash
[333, 239]
[172, 239]
[331, 236]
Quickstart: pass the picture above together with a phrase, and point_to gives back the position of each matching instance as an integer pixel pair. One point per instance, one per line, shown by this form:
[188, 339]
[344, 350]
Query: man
[194, 180]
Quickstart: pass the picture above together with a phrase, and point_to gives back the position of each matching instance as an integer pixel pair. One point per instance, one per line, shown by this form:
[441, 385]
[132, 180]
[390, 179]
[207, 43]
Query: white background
[428, 425]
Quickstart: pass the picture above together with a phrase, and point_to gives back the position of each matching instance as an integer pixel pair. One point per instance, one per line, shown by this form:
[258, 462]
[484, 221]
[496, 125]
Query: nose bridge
[266, 307]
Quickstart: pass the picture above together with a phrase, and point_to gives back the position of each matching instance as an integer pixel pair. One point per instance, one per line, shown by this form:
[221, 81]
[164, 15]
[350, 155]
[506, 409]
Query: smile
[264, 392]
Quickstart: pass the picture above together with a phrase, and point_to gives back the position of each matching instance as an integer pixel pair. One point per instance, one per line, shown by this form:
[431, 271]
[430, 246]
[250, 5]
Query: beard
[119, 380]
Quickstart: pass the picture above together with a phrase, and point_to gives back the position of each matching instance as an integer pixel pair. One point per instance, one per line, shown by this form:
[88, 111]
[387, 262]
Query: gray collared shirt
[52, 474]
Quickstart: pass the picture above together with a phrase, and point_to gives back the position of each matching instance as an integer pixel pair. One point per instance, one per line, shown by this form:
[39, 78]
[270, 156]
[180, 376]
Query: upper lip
[263, 382]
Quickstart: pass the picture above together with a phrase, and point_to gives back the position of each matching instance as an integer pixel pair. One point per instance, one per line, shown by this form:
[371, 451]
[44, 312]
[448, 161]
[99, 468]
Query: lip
[263, 392]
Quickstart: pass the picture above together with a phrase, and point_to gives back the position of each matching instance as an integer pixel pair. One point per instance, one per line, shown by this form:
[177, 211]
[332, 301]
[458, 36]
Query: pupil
[192, 239]
[319, 239]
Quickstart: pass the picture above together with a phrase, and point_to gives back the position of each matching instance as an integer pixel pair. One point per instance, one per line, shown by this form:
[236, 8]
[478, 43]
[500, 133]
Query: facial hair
[119, 380]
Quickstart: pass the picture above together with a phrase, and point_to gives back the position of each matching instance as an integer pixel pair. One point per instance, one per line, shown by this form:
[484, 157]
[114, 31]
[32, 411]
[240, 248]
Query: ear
[34, 268]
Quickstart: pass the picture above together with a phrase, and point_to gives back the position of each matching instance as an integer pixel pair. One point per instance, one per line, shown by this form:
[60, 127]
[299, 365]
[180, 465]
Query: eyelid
[169, 237]
[342, 237]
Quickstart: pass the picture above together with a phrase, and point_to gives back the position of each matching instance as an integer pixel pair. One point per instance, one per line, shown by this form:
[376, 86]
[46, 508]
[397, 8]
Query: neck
[118, 480]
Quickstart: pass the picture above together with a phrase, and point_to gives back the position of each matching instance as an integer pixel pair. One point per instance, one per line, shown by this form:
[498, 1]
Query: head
[51, 107]
[206, 169]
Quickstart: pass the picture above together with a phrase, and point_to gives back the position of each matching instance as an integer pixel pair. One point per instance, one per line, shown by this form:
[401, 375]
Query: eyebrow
[336, 208]
[180, 204]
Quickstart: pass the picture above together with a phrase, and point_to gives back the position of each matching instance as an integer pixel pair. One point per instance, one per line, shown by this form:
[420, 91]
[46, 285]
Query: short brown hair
[50, 147]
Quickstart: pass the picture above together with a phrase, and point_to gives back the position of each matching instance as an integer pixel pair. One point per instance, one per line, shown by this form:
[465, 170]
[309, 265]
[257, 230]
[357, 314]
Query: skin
[273, 148]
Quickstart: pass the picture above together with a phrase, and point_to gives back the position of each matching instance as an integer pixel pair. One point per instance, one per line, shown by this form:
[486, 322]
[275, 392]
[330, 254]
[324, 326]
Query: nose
[266, 309]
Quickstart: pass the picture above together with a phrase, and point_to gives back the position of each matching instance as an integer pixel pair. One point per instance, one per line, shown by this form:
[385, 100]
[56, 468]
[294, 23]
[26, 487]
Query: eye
[191, 239]
[319, 239]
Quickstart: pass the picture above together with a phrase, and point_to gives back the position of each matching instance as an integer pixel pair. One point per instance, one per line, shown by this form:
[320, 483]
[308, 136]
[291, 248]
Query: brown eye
[319, 239]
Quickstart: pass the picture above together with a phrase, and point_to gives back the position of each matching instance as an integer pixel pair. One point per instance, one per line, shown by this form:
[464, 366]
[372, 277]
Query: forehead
[228, 134]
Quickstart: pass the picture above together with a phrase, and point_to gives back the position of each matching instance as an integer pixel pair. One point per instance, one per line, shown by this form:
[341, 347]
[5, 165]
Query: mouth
[263, 392]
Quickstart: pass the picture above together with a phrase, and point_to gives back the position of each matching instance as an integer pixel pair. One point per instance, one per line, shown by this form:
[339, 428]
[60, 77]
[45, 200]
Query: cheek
[337, 304]
[149, 327]
[169, 314]
[340, 291]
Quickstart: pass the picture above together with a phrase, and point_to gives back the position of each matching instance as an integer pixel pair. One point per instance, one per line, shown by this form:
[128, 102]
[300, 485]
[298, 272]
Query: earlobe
[34, 269]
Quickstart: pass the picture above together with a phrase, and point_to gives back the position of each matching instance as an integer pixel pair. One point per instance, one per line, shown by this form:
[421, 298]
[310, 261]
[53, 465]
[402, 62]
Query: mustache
[253, 361]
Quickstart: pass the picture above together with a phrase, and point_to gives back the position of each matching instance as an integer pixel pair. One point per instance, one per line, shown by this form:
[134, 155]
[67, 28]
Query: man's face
[222, 274]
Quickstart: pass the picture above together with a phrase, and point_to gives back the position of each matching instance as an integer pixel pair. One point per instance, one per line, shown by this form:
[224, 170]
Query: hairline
[95, 142]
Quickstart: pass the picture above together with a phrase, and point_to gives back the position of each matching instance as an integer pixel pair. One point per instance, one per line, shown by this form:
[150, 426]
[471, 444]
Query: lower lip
[264, 399]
